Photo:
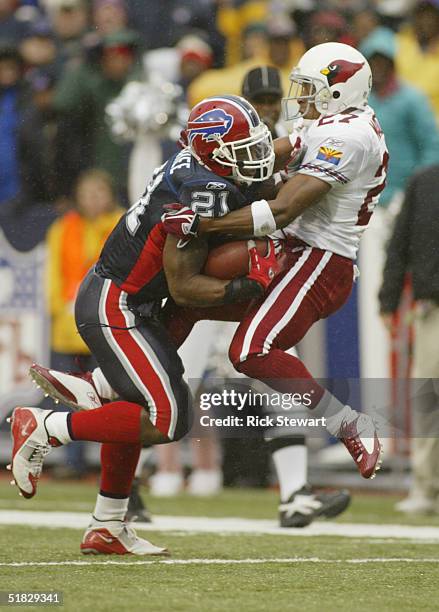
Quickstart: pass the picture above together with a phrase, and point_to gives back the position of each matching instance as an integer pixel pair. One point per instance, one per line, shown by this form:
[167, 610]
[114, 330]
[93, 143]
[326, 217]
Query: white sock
[56, 426]
[334, 412]
[144, 454]
[102, 385]
[110, 509]
[291, 463]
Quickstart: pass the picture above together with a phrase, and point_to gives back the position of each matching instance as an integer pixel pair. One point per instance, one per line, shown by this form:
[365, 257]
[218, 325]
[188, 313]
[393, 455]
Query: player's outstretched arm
[260, 218]
[188, 287]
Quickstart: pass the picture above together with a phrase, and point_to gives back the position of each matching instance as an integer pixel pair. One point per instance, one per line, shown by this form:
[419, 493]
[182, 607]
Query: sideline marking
[227, 526]
[222, 561]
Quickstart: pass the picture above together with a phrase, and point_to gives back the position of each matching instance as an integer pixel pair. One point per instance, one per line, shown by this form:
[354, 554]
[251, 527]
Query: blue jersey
[132, 255]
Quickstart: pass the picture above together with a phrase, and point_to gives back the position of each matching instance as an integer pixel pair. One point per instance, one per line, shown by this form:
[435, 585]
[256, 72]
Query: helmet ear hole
[336, 95]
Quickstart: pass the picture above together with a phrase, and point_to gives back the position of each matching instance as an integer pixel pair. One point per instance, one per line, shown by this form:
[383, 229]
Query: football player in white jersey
[319, 214]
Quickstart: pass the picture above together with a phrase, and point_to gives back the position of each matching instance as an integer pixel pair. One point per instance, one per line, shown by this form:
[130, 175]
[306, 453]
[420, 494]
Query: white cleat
[75, 390]
[31, 444]
[116, 538]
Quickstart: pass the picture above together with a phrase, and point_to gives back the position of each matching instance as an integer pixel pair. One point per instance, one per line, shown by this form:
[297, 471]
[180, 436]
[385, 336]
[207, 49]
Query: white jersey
[348, 151]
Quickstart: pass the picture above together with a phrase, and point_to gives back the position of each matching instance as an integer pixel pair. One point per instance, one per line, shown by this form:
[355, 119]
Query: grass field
[222, 571]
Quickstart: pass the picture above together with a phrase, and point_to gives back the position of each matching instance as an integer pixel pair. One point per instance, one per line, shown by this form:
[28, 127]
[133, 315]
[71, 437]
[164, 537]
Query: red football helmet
[226, 135]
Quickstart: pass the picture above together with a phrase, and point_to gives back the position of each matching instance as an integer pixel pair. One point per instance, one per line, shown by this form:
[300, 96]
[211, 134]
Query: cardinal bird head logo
[339, 71]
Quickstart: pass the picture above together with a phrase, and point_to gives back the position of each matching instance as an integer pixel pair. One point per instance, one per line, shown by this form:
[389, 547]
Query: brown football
[230, 260]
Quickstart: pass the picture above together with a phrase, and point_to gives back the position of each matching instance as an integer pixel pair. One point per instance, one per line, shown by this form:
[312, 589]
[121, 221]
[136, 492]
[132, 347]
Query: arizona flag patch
[329, 155]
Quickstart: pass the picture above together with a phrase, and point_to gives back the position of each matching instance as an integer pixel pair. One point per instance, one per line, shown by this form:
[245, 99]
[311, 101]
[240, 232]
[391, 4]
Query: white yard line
[221, 561]
[228, 526]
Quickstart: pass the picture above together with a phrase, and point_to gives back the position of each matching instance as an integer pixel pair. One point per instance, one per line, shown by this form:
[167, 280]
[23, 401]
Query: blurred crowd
[63, 61]
[64, 175]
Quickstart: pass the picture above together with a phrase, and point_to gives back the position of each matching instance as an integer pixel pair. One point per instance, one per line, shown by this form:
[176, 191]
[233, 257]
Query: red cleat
[360, 438]
[117, 539]
[75, 390]
[31, 444]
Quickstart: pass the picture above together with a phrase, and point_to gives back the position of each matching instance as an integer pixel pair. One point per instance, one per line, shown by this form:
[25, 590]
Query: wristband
[263, 219]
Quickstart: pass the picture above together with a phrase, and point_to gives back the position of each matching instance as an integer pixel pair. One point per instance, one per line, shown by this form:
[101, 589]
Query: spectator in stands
[284, 46]
[69, 19]
[39, 157]
[38, 46]
[74, 242]
[413, 248]
[404, 113]
[284, 50]
[81, 99]
[417, 58]
[109, 16]
[14, 96]
[162, 23]
[327, 26]
[11, 28]
[195, 57]
[364, 22]
[254, 41]
[234, 18]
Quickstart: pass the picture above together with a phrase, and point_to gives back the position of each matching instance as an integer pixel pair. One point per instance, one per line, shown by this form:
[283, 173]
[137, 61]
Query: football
[230, 260]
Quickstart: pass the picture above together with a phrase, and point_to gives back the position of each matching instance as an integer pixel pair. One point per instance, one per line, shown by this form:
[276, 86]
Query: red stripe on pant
[307, 310]
[139, 361]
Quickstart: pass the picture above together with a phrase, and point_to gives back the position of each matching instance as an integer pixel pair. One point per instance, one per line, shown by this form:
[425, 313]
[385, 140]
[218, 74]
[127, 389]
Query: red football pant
[314, 284]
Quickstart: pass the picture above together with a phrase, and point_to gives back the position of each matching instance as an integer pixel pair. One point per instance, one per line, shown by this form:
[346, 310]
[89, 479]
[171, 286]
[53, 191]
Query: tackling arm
[298, 194]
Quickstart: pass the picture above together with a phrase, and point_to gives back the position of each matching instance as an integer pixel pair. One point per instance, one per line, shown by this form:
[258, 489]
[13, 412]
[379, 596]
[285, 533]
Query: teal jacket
[411, 134]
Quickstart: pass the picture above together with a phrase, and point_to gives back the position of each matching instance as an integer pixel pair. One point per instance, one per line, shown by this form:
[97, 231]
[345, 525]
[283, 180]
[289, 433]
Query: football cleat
[116, 538]
[305, 505]
[75, 390]
[361, 439]
[31, 443]
[136, 508]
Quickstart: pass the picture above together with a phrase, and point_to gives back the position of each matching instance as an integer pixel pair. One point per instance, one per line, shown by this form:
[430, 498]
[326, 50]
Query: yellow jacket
[232, 21]
[417, 67]
[73, 245]
[229, 80]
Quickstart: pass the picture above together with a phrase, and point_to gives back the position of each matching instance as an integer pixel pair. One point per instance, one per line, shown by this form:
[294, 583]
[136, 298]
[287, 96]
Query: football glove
[181, 221]
[262, 269]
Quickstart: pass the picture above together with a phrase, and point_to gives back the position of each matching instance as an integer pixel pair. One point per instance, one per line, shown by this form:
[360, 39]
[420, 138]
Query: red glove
[263, 269]
[181, 221]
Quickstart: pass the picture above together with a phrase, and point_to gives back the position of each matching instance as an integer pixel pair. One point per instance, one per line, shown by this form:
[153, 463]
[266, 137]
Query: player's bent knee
[184, 402]
[235, 355]
[252, 366]
[174, 420]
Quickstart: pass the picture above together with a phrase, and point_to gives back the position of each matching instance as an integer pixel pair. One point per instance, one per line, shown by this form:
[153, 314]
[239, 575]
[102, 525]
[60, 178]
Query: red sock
[284, 373]
[118, 465]
[114, 422]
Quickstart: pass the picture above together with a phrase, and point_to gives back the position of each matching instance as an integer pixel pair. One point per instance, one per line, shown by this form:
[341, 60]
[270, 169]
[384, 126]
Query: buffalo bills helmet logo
[339, 71]
[211, 124]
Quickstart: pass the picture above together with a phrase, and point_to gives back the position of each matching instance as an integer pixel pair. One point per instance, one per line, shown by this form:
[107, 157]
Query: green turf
[393, 586]
[310, 586]
[79, 497]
